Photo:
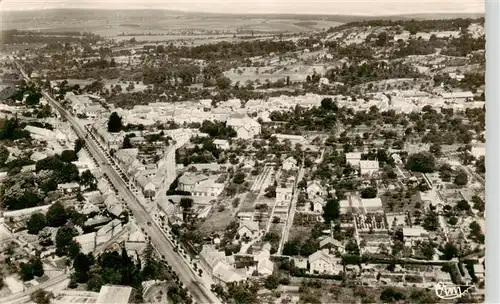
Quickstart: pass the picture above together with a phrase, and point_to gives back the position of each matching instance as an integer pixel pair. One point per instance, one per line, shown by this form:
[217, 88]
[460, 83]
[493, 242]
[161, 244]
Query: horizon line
[244, 14]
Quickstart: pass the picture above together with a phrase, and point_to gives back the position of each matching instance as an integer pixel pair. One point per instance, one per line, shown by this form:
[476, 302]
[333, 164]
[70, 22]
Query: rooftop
[114, 295]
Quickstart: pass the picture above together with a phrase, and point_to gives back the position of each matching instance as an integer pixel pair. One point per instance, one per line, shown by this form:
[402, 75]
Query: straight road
[291, 211]
[141, 216]
[200, 293]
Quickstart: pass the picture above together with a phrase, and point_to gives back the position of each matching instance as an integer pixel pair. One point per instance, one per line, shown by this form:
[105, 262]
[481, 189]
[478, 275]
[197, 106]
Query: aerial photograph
[242, 152]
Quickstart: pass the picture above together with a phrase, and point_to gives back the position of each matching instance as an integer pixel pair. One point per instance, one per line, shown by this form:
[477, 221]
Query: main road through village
[200, 293]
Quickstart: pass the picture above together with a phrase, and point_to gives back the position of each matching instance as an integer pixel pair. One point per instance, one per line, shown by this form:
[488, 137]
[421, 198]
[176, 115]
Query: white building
[294, 139]
[249, 229]
[321, 262]
[372, 205]
[353, 158]
[222, 144]
[368, 167]
[458, 96]
[314, 188]
[245, 127]
[284, 194]
[200, 184]
[289, 164]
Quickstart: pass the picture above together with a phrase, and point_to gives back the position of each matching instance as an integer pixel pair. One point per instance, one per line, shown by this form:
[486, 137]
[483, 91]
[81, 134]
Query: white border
[492, 26]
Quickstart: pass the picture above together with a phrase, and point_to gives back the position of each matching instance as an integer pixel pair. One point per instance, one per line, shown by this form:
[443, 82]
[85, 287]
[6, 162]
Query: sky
[340, 7]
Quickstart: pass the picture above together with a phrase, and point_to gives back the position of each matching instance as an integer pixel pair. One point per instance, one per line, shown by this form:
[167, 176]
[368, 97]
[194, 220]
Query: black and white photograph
[244, 152]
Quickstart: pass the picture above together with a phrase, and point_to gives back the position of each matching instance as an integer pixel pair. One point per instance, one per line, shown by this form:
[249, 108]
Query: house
[368, 167]
[265, 266]
[93, 110]
[414, 234]
[36, 156]
[353, 158]
[397, 159]
[321, 262]
[479, 271]
[245, 127]
[317, 204]
[314, 189]
[222, 144]
[136, 241]
[372, 205]
[220, 266]
[293, 139]
[249, 229]
[89, 208]
[115, 294]
[113, 205]
[209, 257]
[224, 274]
[284, 194]
[106, 232]
[68, 187]
[109, 140]
[300, 263]
[200, 184]
[329, 242]
[289, 164]
[245, 216]
[458, 96]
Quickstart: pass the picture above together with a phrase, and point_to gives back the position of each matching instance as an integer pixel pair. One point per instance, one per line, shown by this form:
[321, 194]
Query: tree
[239, 178]
[369, 192]
[56, 215]
[4, 155]
[37, 266]
[36, 223]
[41, 297]
[478, 203]
[461, 178]
[331, 211]
[480, 165]
[435, 149]
[81, 263]
[79, 144]
[87, 179]
[115, 123]
[64, 237]
[272, 282]
[222, 82]
[26, 271]
[329, 105]
[431, 221]
[391, 295]
[463, 205]
[450, 251]
[126, 143]
[427, 249]
[291, 248]
[68, 156]
[423, 162]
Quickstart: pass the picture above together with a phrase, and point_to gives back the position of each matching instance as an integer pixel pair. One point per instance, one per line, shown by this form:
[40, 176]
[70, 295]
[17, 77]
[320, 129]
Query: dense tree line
[217, 129]
[355, 74]
[239, 50]
[414, 26]
[18, 37]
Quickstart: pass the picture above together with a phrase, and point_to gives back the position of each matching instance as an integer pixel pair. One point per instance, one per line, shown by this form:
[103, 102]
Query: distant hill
[94, 20]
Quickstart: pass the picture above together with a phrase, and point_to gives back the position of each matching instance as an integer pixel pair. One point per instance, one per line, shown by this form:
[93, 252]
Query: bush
[370, 192]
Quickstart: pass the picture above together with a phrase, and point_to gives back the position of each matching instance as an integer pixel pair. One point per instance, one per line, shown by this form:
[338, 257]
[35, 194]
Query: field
[159, 22]
[273, 73]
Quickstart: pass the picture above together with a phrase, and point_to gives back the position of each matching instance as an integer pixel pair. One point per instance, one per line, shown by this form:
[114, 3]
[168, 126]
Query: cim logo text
[448, 291]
